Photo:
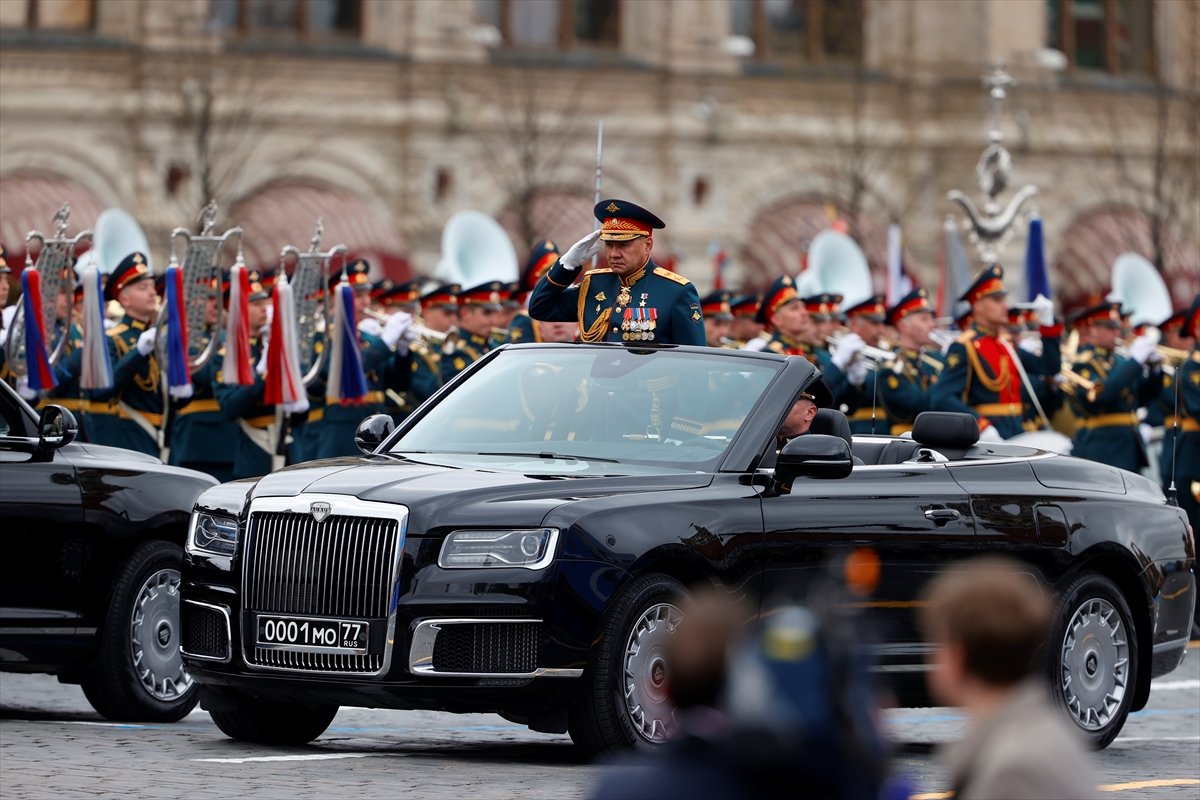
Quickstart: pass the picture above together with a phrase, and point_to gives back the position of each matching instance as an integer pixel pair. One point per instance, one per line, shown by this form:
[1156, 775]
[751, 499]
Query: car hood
[456, 496]
[85, 455]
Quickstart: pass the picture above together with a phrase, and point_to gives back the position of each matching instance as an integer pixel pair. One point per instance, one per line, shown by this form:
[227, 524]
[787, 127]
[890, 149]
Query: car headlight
[529, 549]
[212, 534]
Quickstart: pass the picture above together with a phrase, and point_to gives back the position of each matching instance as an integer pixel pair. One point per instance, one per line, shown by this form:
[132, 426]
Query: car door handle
[941, 516]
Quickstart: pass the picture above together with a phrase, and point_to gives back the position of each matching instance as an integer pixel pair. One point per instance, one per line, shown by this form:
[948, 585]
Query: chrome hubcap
[646, 672]
[154, 638]
[1095, 664]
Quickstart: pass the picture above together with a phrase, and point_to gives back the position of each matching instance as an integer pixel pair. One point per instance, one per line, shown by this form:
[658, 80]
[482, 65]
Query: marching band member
[439, 313]
[823, 312]
[522, 327]
[477, 309]
[130, 414]
[1187, 452]
[861, 395]
[980, 376]
[1108, 424]
[632, 299]
[1163, 413]
[67, 393]
[905, 389]
[745, 327]
[393, 297]
[510, 306]
[1024, 331]
[242, 405]
[784, 315]
[718, 317]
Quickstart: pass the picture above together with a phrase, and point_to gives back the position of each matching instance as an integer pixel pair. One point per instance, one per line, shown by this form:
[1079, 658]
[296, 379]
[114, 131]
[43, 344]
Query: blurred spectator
[988, 619]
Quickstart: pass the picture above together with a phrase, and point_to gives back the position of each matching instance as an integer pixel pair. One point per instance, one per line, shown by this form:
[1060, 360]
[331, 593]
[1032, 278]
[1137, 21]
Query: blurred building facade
[748, 123]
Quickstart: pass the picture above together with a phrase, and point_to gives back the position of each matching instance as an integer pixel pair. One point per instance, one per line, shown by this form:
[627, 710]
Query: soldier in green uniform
[130, 413]
[825, 317]
[745, 327]
[439, 313]
[783, 314]
[1187, 452]
[524, 328]
[201, 437]
[906, 383]
[631, 300]
[67, 393]
[1108, 423]
[387, 364]
[1162, 414]
[477, 309]
[718, 317]
[242, 406]
[388, 298]
[861, 396]
[981, 377]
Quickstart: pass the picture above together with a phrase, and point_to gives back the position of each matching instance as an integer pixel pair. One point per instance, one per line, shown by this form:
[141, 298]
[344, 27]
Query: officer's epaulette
[598, 271]
[965, 336]
[671, 276]
[1196, 356]
[118, 329]
[776, 347]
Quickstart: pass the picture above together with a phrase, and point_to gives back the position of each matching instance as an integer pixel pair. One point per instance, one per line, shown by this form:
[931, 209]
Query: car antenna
[1172, 492]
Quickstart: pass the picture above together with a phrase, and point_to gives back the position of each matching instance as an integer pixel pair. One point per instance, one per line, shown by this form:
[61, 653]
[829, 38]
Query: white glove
[990, 434]
[581, 251]
[1142, 348]
[1030, 344]
[298, 407]
[145, 344]
[397, 325]
[370, 326]
[24, 390]
[181, 392]
[1061, 380]
[1043, 309]
[1147, 431]
[856, 373]
[847, 349]
[261, 367]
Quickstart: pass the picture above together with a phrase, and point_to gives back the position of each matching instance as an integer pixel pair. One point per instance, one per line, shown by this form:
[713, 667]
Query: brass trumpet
[878, 355]
[425, 333]
[1071, 376]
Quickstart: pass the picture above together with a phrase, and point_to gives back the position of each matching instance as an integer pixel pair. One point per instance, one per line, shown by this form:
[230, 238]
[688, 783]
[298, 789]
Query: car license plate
[313, 634]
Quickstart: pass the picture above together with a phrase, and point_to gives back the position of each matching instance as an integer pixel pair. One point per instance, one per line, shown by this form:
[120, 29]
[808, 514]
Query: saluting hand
[581, 251]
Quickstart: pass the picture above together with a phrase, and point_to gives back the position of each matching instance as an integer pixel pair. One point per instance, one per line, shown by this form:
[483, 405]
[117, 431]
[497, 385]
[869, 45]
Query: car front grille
[205, 631]
[342, 567]
[490, 648]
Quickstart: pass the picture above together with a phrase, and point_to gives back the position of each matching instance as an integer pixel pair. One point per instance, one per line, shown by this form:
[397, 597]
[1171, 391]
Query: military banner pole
[599, 174]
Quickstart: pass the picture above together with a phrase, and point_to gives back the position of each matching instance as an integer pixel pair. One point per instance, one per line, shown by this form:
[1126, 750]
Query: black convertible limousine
[521, 543]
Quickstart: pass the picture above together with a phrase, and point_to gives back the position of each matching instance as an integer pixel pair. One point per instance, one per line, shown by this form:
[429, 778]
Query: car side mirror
[372, 431]
[813, 455]
[56, 428]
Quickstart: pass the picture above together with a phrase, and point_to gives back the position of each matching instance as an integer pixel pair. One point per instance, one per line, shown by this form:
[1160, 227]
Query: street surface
[53, 745]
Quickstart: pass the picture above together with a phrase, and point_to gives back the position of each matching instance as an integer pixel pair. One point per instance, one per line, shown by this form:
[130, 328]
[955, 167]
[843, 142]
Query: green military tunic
[1108, 424]
[256, 434]
[906, 385]
[465, 350]
[130, 413]
[201, 437]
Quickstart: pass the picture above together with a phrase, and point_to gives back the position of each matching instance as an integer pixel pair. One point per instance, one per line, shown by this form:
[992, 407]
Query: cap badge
[612, 208]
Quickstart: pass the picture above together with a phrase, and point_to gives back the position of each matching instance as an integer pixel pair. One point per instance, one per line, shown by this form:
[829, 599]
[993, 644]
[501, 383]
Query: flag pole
[599, 175]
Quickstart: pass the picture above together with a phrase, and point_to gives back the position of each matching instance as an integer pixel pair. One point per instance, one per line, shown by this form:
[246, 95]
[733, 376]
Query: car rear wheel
[274, 723]
[626, 704]
[1092, 657]
[139, 673]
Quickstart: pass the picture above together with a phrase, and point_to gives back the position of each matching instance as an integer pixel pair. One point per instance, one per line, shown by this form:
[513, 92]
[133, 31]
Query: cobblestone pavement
[53, 745]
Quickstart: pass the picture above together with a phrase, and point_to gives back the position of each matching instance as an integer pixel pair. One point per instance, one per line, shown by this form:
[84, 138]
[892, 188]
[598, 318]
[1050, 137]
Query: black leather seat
[831, 422]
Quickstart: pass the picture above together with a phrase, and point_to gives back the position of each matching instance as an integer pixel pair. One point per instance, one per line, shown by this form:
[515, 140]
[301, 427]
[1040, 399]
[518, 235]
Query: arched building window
[553, 24]
[795, 32]
[30, 200]
[1115, 36]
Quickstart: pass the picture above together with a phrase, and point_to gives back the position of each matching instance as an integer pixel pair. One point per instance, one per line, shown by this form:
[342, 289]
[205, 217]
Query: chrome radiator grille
[341, 567]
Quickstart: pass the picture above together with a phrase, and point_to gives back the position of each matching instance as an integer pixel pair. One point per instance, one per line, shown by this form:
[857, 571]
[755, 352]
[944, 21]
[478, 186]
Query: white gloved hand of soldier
[1043, 309]
[857, 373]
[1142, 349]
[297, 407]
[581, 251]
[1030, 344]
[849, 346]
[990, 434]
[1147, 432]
[23, 389]
[184, 392]
[393, 332]
[371, 326]
[261, 367]
[145, 342]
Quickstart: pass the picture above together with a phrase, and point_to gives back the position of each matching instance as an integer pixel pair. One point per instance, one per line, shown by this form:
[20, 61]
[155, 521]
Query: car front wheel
[626, 704]
[274, 723]
[139, 673]
[1092, 657]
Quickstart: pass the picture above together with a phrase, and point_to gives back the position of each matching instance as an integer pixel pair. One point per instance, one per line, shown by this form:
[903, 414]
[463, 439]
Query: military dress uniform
[257, 430]
[980, 377]
[523, 327]
[67, 373]
[653, 304]
[427, 353]
[780, 293]
[823, 308]
[1108, 423]
[1187, 463]
[130, 413]
[865, 409]
[743, 306]
[905, 387]
[201, 437]
[1162, 414]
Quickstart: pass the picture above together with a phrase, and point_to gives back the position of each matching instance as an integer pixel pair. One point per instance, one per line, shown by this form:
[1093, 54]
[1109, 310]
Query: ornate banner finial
[208, 218]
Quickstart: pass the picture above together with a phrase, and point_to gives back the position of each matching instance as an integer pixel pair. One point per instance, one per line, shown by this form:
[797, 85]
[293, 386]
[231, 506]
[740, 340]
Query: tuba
[201, 282]
[836, 264]
[55, 269]
[1139, 287]
[476, 249]
[314, 299]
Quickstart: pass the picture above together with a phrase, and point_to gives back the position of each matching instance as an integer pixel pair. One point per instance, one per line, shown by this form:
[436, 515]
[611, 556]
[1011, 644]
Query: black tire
[274, 723]
[605, 721]
[1092, 657]
[138, 674]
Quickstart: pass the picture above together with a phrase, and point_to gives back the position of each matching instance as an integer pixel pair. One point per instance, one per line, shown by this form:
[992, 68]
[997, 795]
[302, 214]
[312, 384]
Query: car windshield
[605, 406]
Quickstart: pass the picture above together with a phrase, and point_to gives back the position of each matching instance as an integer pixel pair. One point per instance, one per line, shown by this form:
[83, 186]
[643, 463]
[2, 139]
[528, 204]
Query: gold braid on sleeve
[596, 331]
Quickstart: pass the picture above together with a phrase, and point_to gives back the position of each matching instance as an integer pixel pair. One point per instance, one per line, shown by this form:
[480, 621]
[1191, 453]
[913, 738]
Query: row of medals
[639, 330]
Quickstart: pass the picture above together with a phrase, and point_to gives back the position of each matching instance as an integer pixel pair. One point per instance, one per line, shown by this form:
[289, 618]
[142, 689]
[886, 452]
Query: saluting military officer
[1108, 423]
[387, 363]
[980, 377]
[632, 299]
[524, 328]
[130, 414]
[783, 314]
[256, 432]
[477, 309]
[718, 317]
[905, 386]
